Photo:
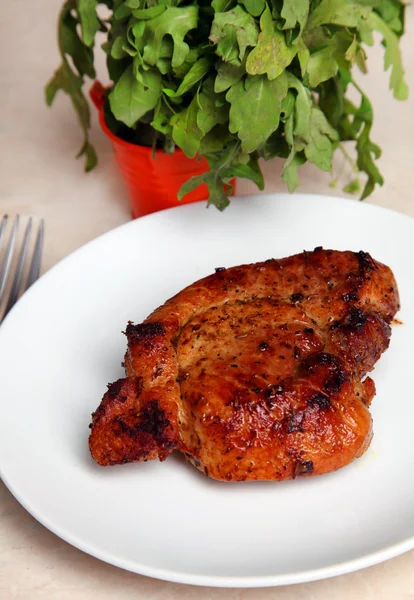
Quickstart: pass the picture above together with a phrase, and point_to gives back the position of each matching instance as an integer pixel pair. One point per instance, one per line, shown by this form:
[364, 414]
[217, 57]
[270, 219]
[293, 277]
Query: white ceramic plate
[62, 343]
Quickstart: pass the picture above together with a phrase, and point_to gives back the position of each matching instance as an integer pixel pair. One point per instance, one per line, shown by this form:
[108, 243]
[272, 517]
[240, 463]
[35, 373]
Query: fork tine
[14, 292]
[37, 256]
[5, 267]
[3, 225]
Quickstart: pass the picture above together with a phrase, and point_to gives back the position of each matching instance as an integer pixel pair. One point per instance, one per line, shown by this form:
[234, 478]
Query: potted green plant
[224, 83]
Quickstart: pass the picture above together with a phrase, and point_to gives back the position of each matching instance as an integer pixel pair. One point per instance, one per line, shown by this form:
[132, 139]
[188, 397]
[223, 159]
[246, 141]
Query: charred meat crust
[255, 371]
[123, 432]
[327, 370]
[153, 421]
[303, 468]
[144, 331]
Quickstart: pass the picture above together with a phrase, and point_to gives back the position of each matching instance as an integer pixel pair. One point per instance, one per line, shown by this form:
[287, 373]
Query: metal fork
[21, 260]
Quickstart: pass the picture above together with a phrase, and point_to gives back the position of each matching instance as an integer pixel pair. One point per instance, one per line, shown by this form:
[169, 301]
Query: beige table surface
[39, 176]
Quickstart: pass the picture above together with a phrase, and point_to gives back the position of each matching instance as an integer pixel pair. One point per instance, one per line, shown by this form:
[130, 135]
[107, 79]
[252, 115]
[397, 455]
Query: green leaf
[359, 129]
[56, 83]
[351, 53]
[176, 22]
[117, 49]
[290, 173]
[70, 83]
[227, 75]
[88, 151]
[134, 3]
[215, 180]
[338, 12]
[130, 99]
[186, 133]
[392, 57]
[288, 106]
[250, 171]
[215, 140]
[233, 31]
[194, 75]
[72, 45]
[366, 150]
[162, 116]
[271, 55]
[149, 13]
[392, 12]
[210, 112]
[363, 114]
[216, 189]
[66, 80]
[116, 68]
[360, 60]
[224, 165]
[131, 51]
[255, 109]
[308, 134]
[303, 56]
[222, 5]
[323, 64]
[297, 131]
[244, 158]
[295, 11]
[366, 34]
[254, 7]
[190, 185]
[181, 71]
[217, 196]
[316, 38]
[353, 187]
[302, 112]
[227, 46]
[135, 34]
[163, 64]
[122, 12]
[319, 149]
[331, 100]
[89, 20]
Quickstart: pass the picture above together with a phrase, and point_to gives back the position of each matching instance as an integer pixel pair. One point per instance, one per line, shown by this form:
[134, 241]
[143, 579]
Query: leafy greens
[233, 80]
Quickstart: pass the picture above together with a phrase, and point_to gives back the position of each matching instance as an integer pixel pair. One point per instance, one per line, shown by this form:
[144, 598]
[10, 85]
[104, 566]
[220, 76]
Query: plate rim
[175, 576]
[363, 205]
[222, 581]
